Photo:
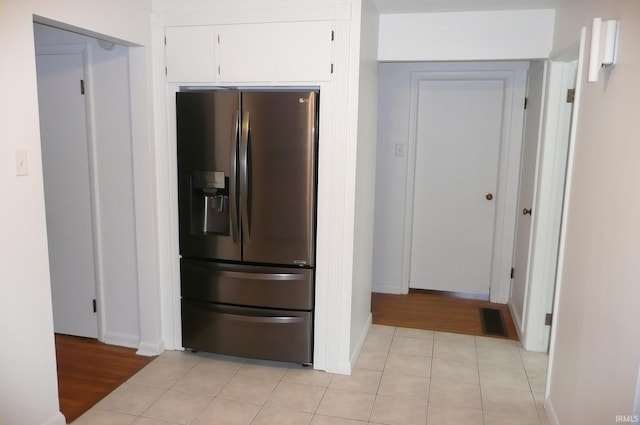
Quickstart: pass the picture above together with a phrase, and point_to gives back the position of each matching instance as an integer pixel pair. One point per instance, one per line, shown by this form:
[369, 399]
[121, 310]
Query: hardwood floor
[439, 311]
[88, 370]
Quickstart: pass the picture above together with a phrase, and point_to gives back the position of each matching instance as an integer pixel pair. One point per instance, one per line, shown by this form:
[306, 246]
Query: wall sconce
[604, 47]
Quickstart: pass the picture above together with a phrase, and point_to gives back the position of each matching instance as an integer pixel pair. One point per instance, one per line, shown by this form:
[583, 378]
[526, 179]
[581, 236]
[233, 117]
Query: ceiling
[427, 6]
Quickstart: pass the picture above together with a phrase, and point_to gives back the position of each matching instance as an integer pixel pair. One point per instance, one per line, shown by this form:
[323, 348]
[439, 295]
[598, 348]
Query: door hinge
[95, 306]
[571, 95]
[548, 319]
[332, 68]
[165, 40]
[81, 86]
[526, 101]
[333, 35]
[512, 271]
[218, 38]
[166, 72]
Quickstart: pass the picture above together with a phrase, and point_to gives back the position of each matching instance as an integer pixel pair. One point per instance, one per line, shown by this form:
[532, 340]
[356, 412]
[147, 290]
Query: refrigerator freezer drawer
[252, 286]
[247, 332]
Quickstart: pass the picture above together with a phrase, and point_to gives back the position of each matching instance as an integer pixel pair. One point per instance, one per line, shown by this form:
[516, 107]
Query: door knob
[489, 196]
[526, 211]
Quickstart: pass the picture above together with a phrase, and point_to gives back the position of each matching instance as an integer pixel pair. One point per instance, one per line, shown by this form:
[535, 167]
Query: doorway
[537, 290]
[103, 154]
[69, 187]
[532, 298]
[398, 173]
[85, 121]
[531, 146]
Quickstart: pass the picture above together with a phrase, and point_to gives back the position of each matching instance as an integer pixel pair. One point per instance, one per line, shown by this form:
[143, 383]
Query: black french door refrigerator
[247, 208]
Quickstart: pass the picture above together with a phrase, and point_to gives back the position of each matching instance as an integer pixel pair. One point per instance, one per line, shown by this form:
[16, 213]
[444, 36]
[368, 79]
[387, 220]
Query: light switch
[399, 149]
[22, 165]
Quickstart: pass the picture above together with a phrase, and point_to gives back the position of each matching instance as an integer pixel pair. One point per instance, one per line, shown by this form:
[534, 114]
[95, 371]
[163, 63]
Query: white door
[65, 163]
[459, 131]
[520, 282]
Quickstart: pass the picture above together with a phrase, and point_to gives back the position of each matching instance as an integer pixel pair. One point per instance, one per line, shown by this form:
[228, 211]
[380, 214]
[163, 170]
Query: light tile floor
[402, 377]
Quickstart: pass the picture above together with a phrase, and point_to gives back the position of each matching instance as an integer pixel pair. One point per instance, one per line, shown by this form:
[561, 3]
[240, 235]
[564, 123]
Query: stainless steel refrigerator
[247, 208]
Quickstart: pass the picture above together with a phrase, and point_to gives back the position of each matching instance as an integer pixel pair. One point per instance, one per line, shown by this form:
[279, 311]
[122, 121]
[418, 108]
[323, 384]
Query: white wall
[116, 242]
[595, 347]
[365, 179]
[495, 35]
[27, 361]
[394, 110]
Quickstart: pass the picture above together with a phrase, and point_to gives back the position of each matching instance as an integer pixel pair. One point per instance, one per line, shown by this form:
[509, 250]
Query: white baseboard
[150, 348]
[121, 339]
[57, 419]
[551, 412]
[499, 299]
[145, 348]
[344, 368]
[517, 320]
[363, 336]
[387, 289]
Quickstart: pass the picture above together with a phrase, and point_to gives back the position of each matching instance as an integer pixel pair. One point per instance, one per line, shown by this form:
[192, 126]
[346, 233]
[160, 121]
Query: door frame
[548, 200]
[84, 50]
[540, 100]
[576, 51]
[514, 75]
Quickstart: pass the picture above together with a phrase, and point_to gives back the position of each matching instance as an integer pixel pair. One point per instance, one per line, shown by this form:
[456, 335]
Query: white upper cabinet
[189, 54]
[301, 51]
[250, 53]
[243, 52]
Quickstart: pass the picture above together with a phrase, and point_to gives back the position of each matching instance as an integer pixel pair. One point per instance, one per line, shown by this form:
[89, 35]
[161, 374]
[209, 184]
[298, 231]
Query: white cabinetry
[189, 54]
[301, 51]
[250, 53]
[243, 52]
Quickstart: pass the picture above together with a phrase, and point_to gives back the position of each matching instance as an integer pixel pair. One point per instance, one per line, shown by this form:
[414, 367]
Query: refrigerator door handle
[261, 276]
[262, 319]
[235, 228]
[244, 176]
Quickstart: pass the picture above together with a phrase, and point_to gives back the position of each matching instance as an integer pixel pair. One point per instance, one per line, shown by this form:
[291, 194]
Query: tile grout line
[388, 351]
[433, 352]
[533, 395]
[475, 344]
[170, 388]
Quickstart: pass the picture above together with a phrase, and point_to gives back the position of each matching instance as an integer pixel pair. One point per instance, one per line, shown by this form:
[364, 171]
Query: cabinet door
[243, 53]
[301, 51]
[190, 54]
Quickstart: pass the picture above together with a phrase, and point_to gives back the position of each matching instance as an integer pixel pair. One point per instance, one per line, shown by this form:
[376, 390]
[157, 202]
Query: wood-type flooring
[88, 370]
[438, 311]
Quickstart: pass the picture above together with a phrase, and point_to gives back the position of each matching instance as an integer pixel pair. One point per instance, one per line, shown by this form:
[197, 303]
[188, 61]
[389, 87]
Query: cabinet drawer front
[286, 288]
[247, 332]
